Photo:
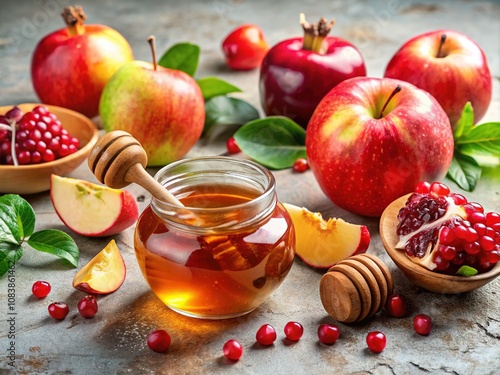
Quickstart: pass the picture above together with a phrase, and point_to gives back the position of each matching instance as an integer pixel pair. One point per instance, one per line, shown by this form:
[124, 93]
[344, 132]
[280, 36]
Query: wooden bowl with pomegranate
[419, 275]
[35, 178]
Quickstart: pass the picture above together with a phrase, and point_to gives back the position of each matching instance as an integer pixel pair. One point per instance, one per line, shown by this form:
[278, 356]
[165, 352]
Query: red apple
[321, 243]
[298, 72]
[90, 209]
[162, 108]
[448, 65]
[245, 47]
[104, 273]
[70, 66]
[372, 140]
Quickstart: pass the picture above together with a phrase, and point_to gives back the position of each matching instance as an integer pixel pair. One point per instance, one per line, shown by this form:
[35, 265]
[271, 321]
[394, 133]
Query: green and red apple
[90, 209]
[104, 273]
[450, 66]
[372, 140]
[71, 66]
[162, 108]
[322, 243]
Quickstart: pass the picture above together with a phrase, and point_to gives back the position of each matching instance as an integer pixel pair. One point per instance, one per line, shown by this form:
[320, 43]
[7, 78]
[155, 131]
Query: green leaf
[465, 122]
[223, 110]
[465, 171]
[17, 218]
[483, 139]
[9, 254]
[181, 56]
[466, 271]
[57, 243]
[275, 142]
[213, 86]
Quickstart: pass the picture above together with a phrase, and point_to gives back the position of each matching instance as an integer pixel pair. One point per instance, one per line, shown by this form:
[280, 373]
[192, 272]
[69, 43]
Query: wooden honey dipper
[118, 159]
[356, 288]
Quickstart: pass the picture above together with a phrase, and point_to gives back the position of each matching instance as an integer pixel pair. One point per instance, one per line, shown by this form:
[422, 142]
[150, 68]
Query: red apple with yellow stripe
[371, 140]
[450, 66]
[71, 66]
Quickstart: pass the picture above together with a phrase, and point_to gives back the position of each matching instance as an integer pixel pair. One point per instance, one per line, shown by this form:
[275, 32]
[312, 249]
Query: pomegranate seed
[448, 252]
[441, 263]
[471, 235]
[300, 165]
[492, 218]
[477, 217]
[232, 350]
[477, 207]
[328, 333]
[396, 306]
[232, 147]
[41, 110]
[58, 310]
[423, 187]
[459, 199]
[87, 306]
[266, 335]
[480, 228]
[159, 341]
[440, 189]
[293, 331]
[446, 236]
[40, 289]
[376, 341]
[459, 258]
[472, 248]
[487, 243]
[422, 324]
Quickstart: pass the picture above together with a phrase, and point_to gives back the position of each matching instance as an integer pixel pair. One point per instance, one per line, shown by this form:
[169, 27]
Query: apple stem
[394, 92]
[441, 43]
[151, 41]
[315, 33]
[74, 17]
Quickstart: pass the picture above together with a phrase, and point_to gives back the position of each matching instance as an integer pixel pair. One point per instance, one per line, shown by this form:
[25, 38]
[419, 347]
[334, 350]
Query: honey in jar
[227, 249]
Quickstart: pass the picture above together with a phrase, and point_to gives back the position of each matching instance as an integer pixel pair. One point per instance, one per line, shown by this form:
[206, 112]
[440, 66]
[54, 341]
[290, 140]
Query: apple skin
[71, 71]
[294, 80]
[245, 47]
[362, 162]
[163, 109]
[90, 209]
[460, 76]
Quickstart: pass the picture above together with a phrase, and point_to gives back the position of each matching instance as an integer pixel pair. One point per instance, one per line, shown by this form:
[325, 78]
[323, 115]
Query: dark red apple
[448, 65]
[298, 72]
[372, 140]
[70, 66]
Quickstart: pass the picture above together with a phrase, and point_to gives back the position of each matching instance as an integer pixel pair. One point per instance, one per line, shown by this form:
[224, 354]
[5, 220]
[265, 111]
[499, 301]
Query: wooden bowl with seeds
[421, 276]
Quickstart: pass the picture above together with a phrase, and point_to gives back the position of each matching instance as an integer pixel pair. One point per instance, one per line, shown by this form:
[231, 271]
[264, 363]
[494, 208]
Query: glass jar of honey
[227, 249]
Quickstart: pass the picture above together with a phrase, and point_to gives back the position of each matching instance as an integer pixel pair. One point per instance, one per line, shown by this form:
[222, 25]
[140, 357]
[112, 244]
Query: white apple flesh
[90, 209]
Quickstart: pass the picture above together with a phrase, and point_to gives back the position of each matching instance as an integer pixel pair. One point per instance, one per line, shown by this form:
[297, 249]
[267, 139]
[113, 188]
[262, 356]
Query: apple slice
[104, 273]
[320, 243]
[90, 209]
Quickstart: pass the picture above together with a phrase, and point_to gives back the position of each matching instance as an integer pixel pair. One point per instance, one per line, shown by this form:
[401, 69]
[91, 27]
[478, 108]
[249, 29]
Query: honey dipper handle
[136, 173]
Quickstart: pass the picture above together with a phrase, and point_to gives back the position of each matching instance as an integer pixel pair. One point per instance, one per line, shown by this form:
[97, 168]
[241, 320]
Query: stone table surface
[466, 334]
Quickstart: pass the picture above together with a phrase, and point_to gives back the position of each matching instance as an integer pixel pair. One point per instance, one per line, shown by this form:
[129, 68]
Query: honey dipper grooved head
[113, 155]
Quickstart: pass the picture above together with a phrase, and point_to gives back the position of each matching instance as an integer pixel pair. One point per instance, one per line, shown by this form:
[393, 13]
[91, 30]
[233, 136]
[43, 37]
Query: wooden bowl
[424, 278]
[35, 178]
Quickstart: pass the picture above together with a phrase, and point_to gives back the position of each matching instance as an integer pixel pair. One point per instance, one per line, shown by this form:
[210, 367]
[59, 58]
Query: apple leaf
[275, 141]
[57, 243]
[466, 271]
[181, 56]
[483, 139]
[465, 123]
[17, 218]
[465, 171]
[213, 86]
[226, 111]
[9, 254]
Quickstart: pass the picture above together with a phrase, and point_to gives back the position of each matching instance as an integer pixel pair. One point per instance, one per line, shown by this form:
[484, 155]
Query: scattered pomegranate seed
[293, 331]
[266, 335]
[40, 289]
[159, 341]
[376, 341]
[87, 306]
[232, 147]
[58, 310]
[328, 333]
[396, 306]
[232, 350]
[423, 187]
[300, 165]
[422, 324]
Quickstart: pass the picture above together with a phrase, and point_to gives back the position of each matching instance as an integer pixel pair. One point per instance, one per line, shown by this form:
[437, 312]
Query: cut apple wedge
[104, 273]
[321, 243]
[90, 209]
